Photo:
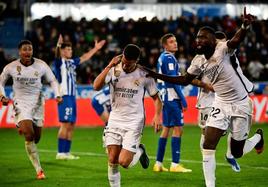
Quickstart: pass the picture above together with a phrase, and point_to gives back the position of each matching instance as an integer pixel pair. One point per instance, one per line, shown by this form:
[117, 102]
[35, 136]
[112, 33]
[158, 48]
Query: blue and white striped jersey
[101, 101]
[65, 73]
[168, 65]
[102, 96]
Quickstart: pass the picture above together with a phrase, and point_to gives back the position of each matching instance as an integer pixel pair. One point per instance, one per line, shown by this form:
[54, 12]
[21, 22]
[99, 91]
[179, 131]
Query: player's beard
[130, 69]
[203, 50]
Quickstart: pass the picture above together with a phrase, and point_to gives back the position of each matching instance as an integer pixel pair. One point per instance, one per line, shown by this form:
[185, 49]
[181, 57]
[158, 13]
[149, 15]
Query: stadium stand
[146, 33]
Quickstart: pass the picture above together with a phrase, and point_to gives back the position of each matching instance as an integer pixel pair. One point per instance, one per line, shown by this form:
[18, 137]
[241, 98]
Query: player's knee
[113, 160]
[70, 128]
[124, 163]
[209, 145]
[211, 141]
[177, 131]
[29, 136]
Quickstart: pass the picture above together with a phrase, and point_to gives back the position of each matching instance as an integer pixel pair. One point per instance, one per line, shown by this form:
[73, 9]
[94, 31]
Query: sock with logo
[114, 175]
[209, 167]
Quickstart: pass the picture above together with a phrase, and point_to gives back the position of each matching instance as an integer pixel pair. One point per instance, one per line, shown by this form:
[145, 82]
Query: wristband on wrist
[245, 28]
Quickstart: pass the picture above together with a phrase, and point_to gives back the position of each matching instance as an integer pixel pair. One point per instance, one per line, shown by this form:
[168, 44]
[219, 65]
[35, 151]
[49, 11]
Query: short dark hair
[164, 38]
[24, 42]
[220, 35]
[208, 29]
[65, 44]
[132, 52]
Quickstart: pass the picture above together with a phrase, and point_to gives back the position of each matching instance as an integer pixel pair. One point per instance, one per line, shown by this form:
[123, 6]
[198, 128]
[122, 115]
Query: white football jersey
[27, 83]
[127, 96]
[219, 71]
[204, 98]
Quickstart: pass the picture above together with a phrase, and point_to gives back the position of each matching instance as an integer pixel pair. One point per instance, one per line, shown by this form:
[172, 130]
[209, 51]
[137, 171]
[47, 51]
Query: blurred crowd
[252, 54]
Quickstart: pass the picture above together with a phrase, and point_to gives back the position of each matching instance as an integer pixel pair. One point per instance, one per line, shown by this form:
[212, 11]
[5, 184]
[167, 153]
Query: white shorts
[203, 114]
[129, 139]
[24, 110]
[235, 116]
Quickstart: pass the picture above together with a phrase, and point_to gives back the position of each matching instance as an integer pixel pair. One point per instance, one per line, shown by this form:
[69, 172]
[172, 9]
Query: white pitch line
[153, 157]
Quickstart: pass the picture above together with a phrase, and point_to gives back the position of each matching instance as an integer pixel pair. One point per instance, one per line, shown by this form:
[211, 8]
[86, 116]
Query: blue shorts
[67, 109]
[172, 114]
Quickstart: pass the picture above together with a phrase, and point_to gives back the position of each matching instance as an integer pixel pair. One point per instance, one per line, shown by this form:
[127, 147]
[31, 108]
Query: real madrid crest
[136, 82]
[36, 73]
[213, 60]
[19, 70]
[117, 73]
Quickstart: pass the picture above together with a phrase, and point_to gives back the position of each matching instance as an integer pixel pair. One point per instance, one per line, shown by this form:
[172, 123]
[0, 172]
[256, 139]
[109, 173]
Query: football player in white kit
[123, 132]
[205, 99]
[232, 108]
[28, 102]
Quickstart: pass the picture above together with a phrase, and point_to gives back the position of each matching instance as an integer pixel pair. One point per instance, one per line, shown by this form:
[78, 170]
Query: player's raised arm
[99, 82]
[60, 41]
[239, 36]
[182, 80]
[89, 54]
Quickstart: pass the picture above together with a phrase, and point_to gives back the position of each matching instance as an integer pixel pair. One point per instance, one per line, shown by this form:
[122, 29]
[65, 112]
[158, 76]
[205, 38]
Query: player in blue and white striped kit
[174, 104]
[101, 103]
[64, 69]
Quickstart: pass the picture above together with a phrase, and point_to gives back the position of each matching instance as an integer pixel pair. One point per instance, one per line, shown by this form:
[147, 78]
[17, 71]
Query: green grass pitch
[91, 169]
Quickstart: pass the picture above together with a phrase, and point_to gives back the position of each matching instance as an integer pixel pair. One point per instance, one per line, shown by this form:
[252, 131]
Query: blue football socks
[176, 149]
[161, 149]
[61, 145]
[67, 146]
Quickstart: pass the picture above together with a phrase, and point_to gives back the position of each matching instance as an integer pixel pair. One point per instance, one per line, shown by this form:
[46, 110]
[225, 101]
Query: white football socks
[209, 167]
[136, 158]
[202, 139]
[114, 175]
[250, 143]
[33, 155]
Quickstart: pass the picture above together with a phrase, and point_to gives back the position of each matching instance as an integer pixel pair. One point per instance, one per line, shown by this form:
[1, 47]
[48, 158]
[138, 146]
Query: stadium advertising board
[88, 117]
